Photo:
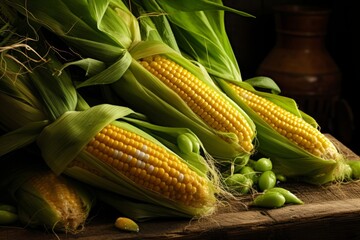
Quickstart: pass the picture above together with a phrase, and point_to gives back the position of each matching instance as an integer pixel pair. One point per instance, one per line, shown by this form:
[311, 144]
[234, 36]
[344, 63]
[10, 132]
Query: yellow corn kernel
[150, 166]
[62, 198]
[208, 104]
[288, 124]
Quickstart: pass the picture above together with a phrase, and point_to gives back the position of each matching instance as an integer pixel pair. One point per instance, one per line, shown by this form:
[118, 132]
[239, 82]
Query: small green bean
[195, 142]
[184, 143]
[263, 165]
[289, 196]
[269, 200]
[267, 180]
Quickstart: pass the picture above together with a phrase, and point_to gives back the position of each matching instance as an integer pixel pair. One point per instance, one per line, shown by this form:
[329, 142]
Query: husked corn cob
[62, 198]
[206, 103]
[44, 199]
[150, 166]
[289, 125]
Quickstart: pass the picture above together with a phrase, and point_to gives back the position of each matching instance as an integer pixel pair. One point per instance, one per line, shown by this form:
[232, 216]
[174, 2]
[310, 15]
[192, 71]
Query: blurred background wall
[253, 38]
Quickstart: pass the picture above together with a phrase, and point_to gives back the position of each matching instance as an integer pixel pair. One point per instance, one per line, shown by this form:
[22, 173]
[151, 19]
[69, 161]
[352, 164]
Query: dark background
[253, 38]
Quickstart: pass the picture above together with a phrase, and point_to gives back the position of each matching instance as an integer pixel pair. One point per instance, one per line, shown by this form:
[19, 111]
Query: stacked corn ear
[43, 199]
[97, 146]
[288, 136]
[123, 159]
[148, 75]
[293, 141]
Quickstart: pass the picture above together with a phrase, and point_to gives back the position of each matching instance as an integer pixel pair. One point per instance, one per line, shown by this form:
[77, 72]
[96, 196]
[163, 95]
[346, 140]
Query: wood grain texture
[330, 212]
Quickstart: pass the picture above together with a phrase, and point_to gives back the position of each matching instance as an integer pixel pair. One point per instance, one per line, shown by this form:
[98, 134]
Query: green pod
[289, 196]
[269, 200]
[267, 180]
[263, 165]
[195, 142]
[184, 143]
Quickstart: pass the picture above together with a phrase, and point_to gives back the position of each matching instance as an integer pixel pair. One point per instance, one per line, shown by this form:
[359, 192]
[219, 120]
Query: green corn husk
[43, 199]
[199, 32]
[109, 40]
[61, 123]
[206, 41]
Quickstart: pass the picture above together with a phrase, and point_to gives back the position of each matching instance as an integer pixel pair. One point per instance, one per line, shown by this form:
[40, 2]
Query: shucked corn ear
[125, 160]
[150, 165]
[208, 104]
[289, 125]
[43, 199]
[117, 31]
[172, 91]
[289, 137]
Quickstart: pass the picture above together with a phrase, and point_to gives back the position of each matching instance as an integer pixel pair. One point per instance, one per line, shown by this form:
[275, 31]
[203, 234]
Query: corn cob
[289, 137]
[150, 166]
[44, 199]
[289, 125]
[66, 210]
[217, 112]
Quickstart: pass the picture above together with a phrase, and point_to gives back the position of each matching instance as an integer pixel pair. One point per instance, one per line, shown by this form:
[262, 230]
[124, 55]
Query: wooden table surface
[330, 212]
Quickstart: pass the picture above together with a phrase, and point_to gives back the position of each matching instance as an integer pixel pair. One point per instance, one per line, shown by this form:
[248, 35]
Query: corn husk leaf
[200, 32]
[24, 114]
[154, 23]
